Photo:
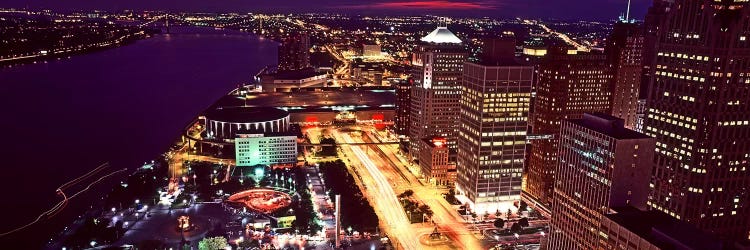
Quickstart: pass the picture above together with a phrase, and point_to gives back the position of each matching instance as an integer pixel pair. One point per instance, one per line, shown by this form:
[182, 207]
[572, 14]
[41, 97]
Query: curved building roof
[441, 35]
[246, 114]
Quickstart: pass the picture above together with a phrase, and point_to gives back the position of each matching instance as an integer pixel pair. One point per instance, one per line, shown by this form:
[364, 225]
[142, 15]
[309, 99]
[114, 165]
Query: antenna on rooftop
[627, 13]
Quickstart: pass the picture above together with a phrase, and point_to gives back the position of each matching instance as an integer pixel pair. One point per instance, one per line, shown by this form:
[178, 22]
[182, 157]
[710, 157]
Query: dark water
[123, 106]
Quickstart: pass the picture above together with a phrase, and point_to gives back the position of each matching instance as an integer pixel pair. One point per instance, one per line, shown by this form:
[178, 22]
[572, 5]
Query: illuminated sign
[439, 142]
[285, 222]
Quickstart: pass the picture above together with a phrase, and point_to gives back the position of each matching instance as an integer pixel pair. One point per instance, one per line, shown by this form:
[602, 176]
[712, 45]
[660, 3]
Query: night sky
[562, 9]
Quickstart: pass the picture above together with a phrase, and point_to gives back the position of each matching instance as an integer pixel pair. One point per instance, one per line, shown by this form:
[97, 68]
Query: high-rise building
[570, 83]
[699, 112]
[624, 51]
[602, 165]
[651, 24]
[436, 91]
[495, 102]
[294, 52]
[403, 106]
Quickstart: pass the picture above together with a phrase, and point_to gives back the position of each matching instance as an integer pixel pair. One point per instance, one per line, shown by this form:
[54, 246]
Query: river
[124, 106]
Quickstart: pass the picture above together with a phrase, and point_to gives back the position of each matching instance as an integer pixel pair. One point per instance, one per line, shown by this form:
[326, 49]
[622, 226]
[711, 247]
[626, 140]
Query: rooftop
[441, 35]
[662, 230]
[296, 74]
[242, 114]
[608, 125]
[318, 100]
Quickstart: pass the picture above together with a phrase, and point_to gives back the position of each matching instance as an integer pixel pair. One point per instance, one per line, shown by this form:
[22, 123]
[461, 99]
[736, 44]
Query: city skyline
[386, 125]
[590, 9]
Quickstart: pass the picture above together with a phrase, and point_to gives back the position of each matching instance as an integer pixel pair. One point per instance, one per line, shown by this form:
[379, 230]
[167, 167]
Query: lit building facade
[269, 149]
[225, 123]
[699, 112]
[624, 51]
[602, 165]
[371, 51]
[434, 162]
[569, 85]
[294, 52]
[495, 104]
[436, 91]
[640, 115]
[403, 106]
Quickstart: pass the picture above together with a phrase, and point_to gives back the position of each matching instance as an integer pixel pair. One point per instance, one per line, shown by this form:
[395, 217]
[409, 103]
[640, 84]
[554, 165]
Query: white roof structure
[441, 35]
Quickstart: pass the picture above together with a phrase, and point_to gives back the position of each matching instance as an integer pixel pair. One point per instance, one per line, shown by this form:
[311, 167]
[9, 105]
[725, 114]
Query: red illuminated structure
[434, 162]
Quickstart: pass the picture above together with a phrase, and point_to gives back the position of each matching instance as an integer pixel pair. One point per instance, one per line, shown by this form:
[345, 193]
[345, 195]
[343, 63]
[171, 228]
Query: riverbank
[68, 52]
[124, 105]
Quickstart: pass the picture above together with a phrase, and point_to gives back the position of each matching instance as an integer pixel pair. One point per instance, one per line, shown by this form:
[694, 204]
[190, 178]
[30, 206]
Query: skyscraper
[294, 52]
[570, 84]
[624, 51]
[699, 112]
[436, 91]
[601, 165]
[403, 106]
[495, 102]
[651, 23]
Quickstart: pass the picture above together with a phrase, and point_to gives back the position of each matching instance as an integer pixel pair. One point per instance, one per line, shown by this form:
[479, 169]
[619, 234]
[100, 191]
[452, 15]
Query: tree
[407, 193]
[524, 222]
[213, 243]
[499, 223]
[328, 150]
[426, 210]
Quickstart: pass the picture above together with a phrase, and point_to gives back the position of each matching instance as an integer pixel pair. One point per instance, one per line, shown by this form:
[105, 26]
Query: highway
[382, 196]
[389, 173]
[384, 175]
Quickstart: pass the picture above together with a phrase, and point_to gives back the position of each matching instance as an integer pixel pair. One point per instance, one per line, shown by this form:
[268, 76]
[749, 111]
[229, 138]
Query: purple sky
[565, 9]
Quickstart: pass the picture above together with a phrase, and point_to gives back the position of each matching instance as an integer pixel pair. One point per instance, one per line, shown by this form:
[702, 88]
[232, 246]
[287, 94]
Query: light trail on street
[385, 200]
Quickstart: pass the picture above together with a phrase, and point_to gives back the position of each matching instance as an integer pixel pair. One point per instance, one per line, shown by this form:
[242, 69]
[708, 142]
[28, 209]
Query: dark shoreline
[132, 39]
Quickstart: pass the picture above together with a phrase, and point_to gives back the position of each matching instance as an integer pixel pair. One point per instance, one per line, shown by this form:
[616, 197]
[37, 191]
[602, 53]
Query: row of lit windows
[679, 76]
[734, 123]
[506, 133]
[670, 121]
[503, 143]
[683, 56]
